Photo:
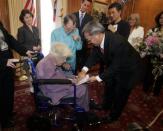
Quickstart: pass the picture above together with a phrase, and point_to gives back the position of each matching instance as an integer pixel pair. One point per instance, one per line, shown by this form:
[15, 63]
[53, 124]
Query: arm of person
[3, 63]
[125, 30]
[92, 60]
[45, 70]
[20, 36]
[14, 44]
[77, 39]
[8, 63]
[53, 36]
[38, 43]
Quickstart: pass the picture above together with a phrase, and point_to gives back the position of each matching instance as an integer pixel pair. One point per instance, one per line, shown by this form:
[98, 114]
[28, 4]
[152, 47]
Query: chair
[44, 105]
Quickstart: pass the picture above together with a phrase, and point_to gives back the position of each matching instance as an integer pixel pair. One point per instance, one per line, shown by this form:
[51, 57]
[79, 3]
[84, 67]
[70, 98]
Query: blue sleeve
[79, 42]
[53, 36]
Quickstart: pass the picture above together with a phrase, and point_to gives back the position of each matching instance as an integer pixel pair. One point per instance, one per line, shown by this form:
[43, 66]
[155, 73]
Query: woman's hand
[66, 66]
[11, 63]
[75, 37]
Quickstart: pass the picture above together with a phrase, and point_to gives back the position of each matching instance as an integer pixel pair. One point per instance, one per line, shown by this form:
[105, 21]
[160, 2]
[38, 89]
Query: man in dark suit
[7, 43]
[122, 67]
[117, 25]
[82, 18]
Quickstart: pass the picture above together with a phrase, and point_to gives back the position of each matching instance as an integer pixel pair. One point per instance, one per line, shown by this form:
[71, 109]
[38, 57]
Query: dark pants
[149, 80]
[6, 95]
[158, 85]
[148, 76]
[118, 89]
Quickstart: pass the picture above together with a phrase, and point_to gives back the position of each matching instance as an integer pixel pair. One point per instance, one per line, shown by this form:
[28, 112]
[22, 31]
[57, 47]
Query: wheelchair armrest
[52, 81]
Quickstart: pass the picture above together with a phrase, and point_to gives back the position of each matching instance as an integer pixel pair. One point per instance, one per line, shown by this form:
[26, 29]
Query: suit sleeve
[53, 37]
[93, 58]
[78, 43]
[37, 33]
[3, 63]
[14, 44]
[125, 31]
[20, 36]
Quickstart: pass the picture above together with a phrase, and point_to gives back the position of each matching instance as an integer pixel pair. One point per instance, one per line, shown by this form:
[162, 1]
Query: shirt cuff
[98, 79]
[85, 68]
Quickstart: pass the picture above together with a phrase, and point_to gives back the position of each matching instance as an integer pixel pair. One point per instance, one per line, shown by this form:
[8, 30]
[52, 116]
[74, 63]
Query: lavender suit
[47, 69]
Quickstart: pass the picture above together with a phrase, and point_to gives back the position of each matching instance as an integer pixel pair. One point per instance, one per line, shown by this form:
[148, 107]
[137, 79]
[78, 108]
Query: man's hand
[81, 75]
[66, 66]
[92, 79]
[29, 53]
[11, 62]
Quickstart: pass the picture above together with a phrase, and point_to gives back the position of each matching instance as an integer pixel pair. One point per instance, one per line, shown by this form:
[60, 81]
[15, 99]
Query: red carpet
[138, 109]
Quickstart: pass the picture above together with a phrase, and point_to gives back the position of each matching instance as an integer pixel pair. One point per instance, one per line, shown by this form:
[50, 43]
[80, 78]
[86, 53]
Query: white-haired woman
[50, 68]
[136, 31]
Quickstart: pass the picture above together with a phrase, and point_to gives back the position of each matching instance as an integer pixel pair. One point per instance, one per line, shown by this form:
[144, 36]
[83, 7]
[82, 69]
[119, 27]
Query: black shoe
[109, 119]
[8, 124]
[94, 105]
[93, 119]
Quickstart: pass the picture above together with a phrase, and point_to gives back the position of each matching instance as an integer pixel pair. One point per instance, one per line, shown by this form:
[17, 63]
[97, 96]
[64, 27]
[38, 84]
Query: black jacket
[119, 56]
[12, 43]
[85, 20]
[28, 38]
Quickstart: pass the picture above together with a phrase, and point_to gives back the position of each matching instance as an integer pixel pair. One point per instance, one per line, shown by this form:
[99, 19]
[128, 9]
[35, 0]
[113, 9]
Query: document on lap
[84, 80]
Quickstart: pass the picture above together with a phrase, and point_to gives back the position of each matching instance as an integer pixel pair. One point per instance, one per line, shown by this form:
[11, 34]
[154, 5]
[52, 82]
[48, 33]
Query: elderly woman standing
[50, 68]
[68, 34]
[136, 31]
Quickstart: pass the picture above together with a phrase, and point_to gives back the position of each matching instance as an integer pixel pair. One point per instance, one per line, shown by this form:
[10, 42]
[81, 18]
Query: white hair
[60, 49]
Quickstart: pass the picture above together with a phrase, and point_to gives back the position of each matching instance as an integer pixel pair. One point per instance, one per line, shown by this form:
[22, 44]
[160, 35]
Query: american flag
[31, 5]
[54, 4]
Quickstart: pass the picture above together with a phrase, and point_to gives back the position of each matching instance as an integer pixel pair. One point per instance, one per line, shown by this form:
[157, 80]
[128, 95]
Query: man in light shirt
[122, 67]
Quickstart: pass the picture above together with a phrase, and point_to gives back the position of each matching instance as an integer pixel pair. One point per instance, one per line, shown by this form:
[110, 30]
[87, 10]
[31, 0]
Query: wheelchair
[56, 114]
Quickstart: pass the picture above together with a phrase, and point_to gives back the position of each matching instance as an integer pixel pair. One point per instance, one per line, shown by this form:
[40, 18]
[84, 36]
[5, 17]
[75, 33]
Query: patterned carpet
[139, 109]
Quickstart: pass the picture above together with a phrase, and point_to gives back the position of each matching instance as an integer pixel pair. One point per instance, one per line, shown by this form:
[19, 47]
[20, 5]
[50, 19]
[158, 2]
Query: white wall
[47, 24]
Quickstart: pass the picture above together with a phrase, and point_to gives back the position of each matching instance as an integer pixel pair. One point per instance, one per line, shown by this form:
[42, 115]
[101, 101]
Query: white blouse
[136, 36]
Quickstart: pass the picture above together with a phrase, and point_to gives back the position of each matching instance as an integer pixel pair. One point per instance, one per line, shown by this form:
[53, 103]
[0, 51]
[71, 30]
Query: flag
[31, 5]
[54, 4]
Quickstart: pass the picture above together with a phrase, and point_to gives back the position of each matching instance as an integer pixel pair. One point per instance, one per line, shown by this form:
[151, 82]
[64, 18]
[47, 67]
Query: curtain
[15, 7]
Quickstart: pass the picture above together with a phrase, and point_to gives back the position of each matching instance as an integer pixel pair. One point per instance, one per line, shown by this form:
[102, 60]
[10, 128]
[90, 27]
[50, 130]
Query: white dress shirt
[86, 68]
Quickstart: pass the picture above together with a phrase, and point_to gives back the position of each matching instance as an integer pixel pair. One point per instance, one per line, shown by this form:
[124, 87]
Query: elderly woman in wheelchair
[50, 67]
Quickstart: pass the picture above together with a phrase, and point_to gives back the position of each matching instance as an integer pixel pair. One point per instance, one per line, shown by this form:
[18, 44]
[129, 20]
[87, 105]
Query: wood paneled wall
[73, 6]
[4, 14]
[148, 9]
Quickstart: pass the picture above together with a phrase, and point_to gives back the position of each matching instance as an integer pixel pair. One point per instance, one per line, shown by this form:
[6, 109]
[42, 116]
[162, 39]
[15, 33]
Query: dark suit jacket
[12, 43]
[85, 20]
[119, 56]
[81, 54]
[123, 28]
[28, 38]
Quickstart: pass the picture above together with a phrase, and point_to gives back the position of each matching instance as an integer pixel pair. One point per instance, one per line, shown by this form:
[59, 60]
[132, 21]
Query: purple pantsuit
[47, 69]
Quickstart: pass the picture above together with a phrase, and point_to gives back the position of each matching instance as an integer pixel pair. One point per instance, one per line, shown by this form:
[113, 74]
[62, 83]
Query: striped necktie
[81, 18]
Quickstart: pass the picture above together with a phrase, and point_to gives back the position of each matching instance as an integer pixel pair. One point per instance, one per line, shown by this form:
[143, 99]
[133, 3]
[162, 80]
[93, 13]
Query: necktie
[81, 18]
